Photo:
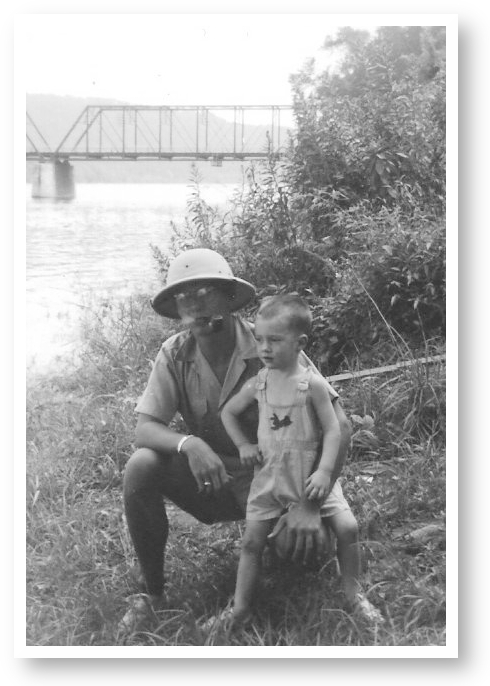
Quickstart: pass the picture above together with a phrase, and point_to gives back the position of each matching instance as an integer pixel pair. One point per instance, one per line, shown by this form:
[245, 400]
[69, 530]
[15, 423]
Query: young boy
[297, 424]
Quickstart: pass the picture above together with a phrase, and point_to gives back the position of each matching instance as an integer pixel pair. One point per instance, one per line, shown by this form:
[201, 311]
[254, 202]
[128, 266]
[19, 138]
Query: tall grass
[80, 561]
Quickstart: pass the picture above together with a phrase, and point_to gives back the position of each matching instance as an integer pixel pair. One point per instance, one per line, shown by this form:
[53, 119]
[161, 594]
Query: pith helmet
[199, 264]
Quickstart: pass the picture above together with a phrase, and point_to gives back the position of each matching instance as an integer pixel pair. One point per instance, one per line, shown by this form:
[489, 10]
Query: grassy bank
[80, 562]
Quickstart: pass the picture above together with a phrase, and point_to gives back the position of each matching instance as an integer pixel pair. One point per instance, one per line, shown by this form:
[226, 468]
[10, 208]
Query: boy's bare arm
[319, 484]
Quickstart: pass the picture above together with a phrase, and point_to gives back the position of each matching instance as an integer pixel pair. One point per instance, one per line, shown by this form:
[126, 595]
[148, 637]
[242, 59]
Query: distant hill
[54, 116]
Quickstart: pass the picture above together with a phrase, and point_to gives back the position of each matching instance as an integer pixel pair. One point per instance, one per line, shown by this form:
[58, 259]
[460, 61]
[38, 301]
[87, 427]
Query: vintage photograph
[236, 331]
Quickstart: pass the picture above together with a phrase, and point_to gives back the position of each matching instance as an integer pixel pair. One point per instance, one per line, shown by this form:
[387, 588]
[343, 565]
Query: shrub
[392, 284]
[374, 126]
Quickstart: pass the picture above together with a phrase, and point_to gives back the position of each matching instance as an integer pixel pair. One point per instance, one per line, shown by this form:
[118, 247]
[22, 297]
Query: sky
[173, 59]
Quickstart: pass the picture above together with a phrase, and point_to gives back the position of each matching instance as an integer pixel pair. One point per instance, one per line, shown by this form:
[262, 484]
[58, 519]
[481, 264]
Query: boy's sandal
[226, 621]
[362, 607]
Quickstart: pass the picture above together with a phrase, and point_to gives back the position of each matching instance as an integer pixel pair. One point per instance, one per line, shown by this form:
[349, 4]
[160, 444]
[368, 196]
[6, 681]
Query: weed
[80, 560]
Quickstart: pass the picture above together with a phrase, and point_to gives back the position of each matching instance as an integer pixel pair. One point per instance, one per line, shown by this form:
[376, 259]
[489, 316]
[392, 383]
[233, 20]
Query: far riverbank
[151, 171]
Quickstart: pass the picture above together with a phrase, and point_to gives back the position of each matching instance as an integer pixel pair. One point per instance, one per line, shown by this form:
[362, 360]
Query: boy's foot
[226, 620]
[140, 614]
[360, 606]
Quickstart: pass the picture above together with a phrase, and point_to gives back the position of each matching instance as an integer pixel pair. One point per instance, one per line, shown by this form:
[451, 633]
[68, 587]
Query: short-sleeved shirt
[182, 381]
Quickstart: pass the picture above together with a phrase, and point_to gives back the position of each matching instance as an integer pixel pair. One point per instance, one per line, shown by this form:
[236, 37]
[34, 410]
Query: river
[95, 246]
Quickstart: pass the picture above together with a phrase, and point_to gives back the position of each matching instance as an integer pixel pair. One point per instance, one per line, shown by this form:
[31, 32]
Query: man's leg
[148, 477]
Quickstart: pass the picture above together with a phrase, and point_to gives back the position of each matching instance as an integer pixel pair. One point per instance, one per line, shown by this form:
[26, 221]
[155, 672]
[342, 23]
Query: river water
[95, 246]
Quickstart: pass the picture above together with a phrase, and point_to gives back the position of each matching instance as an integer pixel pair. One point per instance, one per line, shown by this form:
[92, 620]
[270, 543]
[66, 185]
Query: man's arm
[345, 437]
[153, 433]
[204, 463]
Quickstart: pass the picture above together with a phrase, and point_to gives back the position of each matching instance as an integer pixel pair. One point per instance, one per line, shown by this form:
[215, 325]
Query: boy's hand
[318, 485]
[250, 455]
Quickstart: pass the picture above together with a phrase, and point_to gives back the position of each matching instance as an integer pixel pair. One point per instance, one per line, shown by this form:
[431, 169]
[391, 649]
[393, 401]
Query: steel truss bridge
[126, 132]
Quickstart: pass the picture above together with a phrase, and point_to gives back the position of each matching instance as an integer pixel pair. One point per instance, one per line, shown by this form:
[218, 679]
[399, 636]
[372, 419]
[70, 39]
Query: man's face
[202, 306]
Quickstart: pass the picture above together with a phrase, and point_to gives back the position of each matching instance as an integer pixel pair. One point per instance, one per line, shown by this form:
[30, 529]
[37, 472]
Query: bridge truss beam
[123, 132]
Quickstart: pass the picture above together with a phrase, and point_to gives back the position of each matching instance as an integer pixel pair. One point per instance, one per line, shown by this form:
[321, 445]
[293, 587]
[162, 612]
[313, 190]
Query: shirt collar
[245, 345]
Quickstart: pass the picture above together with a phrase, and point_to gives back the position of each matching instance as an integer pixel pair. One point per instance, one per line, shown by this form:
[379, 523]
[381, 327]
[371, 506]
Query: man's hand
[299, 533]
[206, 467]
[318, 485]
[250, 455]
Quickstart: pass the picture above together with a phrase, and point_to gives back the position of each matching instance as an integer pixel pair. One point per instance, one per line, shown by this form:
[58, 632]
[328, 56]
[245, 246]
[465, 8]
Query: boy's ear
[302, 341]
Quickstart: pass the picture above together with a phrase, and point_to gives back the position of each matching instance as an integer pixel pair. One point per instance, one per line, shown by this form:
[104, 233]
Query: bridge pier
[53, 179]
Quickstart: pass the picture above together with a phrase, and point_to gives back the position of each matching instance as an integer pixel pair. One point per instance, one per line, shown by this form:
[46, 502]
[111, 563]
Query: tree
[373, 128]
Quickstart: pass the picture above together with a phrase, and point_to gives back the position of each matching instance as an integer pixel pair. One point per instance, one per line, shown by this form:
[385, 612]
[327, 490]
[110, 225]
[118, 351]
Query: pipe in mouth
[216, 323]
[213, 324]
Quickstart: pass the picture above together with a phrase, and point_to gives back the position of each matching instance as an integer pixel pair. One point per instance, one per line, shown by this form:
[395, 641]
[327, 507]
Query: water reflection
[97, 245]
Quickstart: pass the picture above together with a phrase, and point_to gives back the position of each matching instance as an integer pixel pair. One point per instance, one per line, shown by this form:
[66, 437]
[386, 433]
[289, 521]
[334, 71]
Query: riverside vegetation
[353, 219]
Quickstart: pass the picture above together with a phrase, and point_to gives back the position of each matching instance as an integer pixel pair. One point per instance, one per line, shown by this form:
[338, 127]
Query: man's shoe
[141, 614]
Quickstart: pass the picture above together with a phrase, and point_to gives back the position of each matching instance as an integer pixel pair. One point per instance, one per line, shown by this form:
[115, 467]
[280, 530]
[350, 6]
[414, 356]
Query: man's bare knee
[141, 468]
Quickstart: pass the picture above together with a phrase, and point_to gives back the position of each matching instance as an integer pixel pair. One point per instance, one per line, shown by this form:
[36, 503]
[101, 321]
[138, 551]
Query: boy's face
[278, 345]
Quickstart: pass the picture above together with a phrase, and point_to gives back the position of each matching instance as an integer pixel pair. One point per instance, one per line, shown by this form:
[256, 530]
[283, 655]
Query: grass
[80, 561]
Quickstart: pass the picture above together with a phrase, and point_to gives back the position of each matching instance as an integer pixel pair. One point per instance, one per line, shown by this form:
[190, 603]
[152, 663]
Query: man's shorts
[177, 483]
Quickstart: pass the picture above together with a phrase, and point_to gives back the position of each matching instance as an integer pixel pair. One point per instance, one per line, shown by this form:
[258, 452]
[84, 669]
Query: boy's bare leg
[344, 526]
[253, 544]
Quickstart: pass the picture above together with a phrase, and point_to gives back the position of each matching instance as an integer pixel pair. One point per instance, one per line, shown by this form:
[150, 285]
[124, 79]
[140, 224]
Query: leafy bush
[374, 127]
[393, 283]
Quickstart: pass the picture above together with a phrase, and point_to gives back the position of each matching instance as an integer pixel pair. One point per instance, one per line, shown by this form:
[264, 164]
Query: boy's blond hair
[293, 306]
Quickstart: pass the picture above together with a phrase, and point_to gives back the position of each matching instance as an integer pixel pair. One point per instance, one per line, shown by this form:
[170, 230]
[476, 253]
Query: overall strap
[302, 388]
[260, 385]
